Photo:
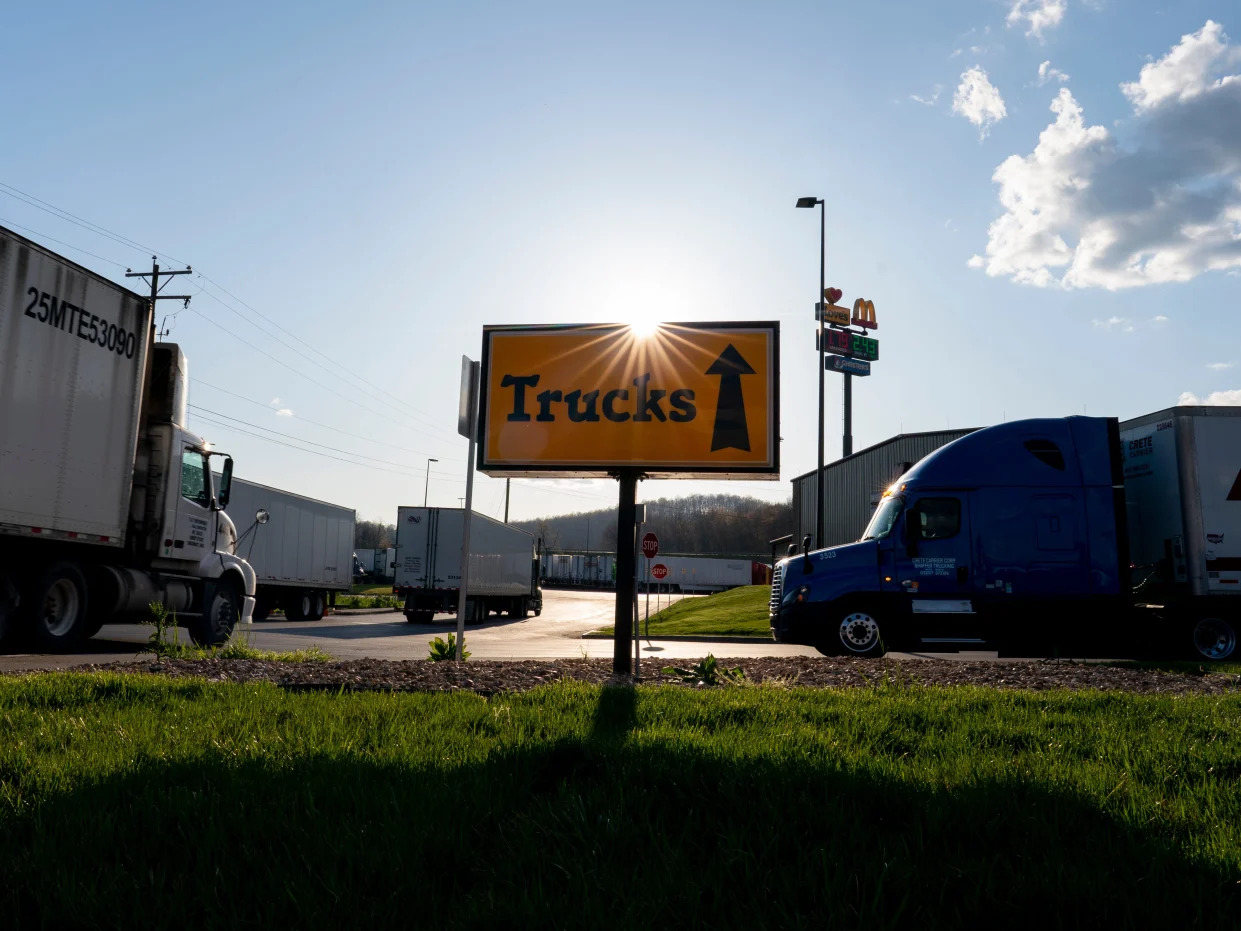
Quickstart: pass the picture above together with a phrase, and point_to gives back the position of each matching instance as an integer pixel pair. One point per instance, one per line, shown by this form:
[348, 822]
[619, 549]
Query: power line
[376, 395]
[312, 452]
[59, 242]
[100, 230]
[60, 213]
[299, 417]
[290, 436]
[319, 352]
[267, 355]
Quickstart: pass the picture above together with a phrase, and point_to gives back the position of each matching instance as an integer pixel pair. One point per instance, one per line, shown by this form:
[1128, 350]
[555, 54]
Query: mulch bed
[489, 677]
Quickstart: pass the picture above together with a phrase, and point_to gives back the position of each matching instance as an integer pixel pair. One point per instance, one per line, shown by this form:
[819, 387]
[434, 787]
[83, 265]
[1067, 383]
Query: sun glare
[644, 325]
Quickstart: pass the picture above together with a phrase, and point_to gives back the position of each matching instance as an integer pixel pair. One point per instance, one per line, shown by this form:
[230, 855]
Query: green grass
[139, 802]
[738, 612]
[236, 650]
[370, 588]
[373, 601]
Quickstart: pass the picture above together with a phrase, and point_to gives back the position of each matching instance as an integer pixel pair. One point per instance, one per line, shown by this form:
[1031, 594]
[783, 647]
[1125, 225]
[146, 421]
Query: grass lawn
[738, 612]
[370, 588]
[149, 803]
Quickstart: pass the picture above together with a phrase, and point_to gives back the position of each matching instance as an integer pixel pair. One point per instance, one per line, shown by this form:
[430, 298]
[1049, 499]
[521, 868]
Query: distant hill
[696, 524]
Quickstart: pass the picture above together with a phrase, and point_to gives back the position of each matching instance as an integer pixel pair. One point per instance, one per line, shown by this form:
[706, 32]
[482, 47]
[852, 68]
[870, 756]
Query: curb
[686, 638]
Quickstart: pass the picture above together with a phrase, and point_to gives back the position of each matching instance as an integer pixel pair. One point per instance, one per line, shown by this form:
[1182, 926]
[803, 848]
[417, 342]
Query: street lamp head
[808, 202]
[432, 460]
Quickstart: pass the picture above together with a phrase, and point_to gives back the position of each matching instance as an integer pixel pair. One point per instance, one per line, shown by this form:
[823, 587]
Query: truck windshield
[885, 518]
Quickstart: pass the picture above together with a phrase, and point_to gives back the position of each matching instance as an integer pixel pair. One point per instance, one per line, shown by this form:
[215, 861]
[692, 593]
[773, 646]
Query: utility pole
[155, 274]
[507, 482]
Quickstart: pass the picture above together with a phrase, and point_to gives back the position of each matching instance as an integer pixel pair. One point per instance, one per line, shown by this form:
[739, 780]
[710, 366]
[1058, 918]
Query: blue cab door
[932, 573]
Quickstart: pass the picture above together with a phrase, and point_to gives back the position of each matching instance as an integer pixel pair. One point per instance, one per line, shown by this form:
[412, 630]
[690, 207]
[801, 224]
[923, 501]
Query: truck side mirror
[913, 530]
[226, 484]
[261, 516]
[805, 553]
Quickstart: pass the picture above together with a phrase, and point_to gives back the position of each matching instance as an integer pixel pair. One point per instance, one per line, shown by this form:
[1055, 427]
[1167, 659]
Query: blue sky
[380, 181]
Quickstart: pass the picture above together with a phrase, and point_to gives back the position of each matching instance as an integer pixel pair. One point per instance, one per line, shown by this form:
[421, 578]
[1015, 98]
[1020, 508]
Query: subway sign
[845, 343]
[690, 400]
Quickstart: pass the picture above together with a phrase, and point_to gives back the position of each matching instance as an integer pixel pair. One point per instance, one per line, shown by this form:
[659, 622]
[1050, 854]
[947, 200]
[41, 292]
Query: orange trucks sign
[690, 400]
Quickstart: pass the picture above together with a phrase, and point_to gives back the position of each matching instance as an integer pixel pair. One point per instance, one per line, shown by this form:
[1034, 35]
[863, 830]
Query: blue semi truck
[1067, 528]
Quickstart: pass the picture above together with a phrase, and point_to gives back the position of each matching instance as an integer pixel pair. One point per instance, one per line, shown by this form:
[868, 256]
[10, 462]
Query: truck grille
[777, 589]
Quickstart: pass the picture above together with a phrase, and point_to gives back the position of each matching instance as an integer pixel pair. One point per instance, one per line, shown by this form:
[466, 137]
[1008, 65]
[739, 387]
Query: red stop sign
[659, 571]
[650, 546]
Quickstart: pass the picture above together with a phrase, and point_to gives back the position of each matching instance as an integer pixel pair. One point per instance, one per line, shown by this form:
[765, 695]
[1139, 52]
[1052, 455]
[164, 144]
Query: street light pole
[427, 484]
[812, 202]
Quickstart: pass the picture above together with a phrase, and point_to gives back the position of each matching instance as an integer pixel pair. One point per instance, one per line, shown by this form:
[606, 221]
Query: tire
[858, 633]
[299, 606]
[1213, 639]
[318, 604]
[8, 605]
[58, 606]
[222, 610]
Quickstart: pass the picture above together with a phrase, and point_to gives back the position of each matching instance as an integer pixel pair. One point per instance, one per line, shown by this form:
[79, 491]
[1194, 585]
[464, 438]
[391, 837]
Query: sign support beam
[626, 529]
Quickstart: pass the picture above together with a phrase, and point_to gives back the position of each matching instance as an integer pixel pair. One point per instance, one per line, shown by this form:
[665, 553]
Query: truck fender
[220, 565]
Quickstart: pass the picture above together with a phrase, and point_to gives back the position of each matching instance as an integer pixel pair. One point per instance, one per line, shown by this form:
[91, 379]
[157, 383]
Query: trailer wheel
[221, 611]
[8, 604]
[858, 633]
[298, 606]
[317, 606]
[1213, 639]
[58, 608]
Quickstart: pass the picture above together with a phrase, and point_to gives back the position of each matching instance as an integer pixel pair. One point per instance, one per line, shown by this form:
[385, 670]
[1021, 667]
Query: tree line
[703, 524]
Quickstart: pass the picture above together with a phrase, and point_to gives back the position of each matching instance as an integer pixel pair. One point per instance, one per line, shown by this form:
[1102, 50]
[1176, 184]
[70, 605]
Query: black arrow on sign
[730, 426]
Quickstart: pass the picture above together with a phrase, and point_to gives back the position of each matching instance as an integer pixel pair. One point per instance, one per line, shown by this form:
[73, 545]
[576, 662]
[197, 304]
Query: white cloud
[1159, 318]
[1081, 211]
[1037, 15]
[284, 412]
[978, 100]
[931, 100]
[1047, 73]
[1185, 72]
[956, 53]
[274, 402]
[1123, 324]
[1219, 366]
[1215, 397]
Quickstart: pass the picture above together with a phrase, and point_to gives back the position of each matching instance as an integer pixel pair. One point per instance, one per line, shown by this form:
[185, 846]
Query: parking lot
[555, 634]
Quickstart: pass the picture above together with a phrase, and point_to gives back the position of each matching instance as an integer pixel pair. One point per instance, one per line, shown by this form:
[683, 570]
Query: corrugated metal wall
[852, 487]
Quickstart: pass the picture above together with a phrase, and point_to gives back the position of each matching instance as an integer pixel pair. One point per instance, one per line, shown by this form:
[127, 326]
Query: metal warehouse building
[853, 486]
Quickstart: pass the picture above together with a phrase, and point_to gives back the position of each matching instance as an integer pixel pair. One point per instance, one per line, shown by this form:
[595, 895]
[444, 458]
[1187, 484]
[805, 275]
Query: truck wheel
[8, 604]
[220, 613]
[859, 635]
[1213, 639]
[298, 607]
[317, 605]
[58, 607]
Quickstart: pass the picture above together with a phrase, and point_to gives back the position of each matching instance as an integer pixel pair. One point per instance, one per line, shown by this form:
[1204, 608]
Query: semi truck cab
[1001, 525]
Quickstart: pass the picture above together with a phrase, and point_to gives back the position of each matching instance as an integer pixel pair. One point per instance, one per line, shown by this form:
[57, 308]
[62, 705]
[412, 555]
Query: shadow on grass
[593, 832]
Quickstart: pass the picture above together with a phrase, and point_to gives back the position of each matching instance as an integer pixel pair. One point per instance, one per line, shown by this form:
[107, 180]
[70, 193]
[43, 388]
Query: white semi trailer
[107, 502]
[301, 549]
[503, 574]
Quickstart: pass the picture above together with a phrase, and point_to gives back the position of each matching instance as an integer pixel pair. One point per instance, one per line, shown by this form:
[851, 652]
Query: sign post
[650, 549]
[691, 400]
[467, 421]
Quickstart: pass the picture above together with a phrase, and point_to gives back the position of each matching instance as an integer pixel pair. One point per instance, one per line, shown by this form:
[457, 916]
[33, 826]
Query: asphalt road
[555, 634]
